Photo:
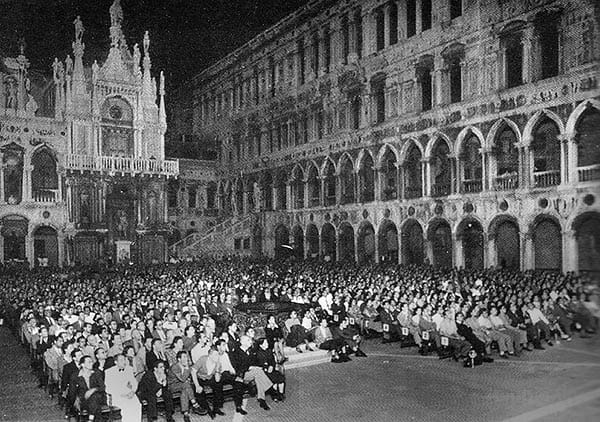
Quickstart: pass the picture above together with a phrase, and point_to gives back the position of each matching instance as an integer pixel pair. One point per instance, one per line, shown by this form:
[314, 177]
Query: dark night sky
[186, 35]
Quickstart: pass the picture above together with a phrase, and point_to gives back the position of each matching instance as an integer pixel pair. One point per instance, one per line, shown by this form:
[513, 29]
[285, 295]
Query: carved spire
[162, 114]
[78, 49]
[147, 79]
[116, 19]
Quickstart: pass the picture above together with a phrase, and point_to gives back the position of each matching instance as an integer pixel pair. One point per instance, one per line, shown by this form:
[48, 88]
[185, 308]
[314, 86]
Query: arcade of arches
[503, 242]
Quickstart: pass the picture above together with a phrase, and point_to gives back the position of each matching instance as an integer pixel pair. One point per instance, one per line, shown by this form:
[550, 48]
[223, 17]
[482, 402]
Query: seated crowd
[147, 335]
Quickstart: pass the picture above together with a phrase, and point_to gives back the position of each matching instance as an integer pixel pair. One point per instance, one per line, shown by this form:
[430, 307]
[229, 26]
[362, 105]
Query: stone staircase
[217, 241]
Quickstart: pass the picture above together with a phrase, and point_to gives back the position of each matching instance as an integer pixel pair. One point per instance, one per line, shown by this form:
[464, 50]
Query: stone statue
[146, 44]
[69, 64]
[116, 13]
[95, 70]
[79, 29]
[122, 223]
[11, 94]
[32, 106]
[136, 58]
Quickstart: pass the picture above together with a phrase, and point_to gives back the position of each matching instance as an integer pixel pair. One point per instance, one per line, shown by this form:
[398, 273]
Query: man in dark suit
[154, 385]
[350, 337]
[156, 354]
[69, 374]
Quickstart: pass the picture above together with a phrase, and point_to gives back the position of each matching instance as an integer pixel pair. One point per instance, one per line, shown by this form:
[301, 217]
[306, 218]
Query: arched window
[471, 165]
[441, 173]
[330, 184]
[411, 171]
[44, 178]
[389, 177]
[588, 147]
[314, 187]
[367, 179]
[507, 159]
[298, 188]
[347, 182]
[546, 154]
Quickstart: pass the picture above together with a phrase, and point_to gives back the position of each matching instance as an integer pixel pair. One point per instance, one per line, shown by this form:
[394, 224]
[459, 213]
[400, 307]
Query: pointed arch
[366, 243]
[406, 147]
[313, 183]
[383, 151]
[413, 252]
[346, 176]
[297, 185]
[364, 154]
[329, 242]
[469, 152]
[492, 134]
[434, 139]
[466, 133]
[438, 153]
[366, 178]
[537, 118]
[346, 157]
[571, 126]
[327, 162]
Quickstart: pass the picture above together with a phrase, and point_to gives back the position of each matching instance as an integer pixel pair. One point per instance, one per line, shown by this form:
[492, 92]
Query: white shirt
[536, 316]
[198, 351]
[226, 365]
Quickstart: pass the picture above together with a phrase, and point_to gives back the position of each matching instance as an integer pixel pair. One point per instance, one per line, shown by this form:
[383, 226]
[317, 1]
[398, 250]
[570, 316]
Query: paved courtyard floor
[561, 383]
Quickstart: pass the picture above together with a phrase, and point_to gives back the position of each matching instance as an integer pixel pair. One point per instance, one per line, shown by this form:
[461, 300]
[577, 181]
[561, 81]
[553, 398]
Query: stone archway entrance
[547, 245]
[298, 243]
[412, 243]
[587, 232]
[346, 243]
[312, 241]
[472, 243]
[14, 234]
[440, 236]
[282, 240]
[328, 242]
[45, 247]
[388, 242]
[366, 243]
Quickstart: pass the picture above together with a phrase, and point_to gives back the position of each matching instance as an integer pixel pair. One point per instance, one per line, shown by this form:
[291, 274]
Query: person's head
[182, 358]
[263, 343]
[177, 343]
[250, 332]
[460, 318]
[158, 367]
[58, 342]
[190, 331]
[120, 361]
[129, 352]
[245, 342]
[76, 355]
[157, 345]
[221, 346]
[271, 320]
[86, 362]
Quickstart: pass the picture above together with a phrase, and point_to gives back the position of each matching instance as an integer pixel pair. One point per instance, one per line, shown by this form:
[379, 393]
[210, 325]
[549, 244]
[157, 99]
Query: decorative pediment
[115, 69]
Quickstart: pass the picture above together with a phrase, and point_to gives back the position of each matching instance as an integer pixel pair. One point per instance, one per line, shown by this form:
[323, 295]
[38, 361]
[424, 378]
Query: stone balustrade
[130, 165]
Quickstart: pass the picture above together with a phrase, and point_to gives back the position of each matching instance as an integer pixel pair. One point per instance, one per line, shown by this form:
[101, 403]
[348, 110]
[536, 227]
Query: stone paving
[559, 384]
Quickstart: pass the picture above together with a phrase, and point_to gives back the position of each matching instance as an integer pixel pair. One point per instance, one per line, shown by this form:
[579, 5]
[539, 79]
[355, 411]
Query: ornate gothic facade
[456, 132]
[83, 169]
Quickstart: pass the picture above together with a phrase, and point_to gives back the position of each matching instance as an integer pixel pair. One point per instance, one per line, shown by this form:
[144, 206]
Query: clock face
[115, 112]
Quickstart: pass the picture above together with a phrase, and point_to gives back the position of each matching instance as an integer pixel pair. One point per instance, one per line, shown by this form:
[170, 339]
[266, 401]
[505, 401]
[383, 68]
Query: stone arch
[313, 184]
[469, 150]
[504, 138]
[387, 163]
[297, 185]
[504, 230]
[575, 116]
[366, 243]
[538, 117]
[546, 232]
[470, 232]
[408, 144]
[587, 234]
[587, 131]
[14, 229]
[413, 252]
[545, 145]
[387, 243]
[298, 242]
[329, 182]
[347, 180]
[328, 242]
[439, 233]
[412, 170]
[45, 246]
[439, 153]
[282, 241]
[383, 151]
[366, 178]
[434, 140]
[346, 242]
[312, 241]
[281, 189]
[44, 175]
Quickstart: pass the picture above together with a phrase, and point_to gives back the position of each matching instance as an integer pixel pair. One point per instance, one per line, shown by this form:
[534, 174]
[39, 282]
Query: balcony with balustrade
[589, 173]
[472, 186]
[509, 181]
[45, 196]
[546, 179]
[123, 165]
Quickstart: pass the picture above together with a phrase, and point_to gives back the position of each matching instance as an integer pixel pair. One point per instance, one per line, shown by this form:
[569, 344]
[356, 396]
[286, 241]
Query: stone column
[486, 254]
[564, 165]
[1, 183]
[458, 255]
[1, 244]
[29, 252]
[438, 73]
[419, 23]
[571, 148]
[288, 196]
[426, 177]
[61, 248]
[527, 259]
[527, 42]
[570, 252]
[401, 20]
[27, 168]
[492, 253]
[428, 248]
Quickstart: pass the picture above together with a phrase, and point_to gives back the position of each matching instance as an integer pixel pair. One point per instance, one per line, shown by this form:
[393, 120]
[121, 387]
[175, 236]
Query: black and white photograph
[299, 210]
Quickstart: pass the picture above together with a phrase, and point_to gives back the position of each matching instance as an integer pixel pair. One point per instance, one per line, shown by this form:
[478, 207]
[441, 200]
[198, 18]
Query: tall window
[455, 76]
[513, 61]
[191, 196]
[455, 8]
[378, 87]
[547, 28]
[425, 15]
[424, 78]
[380, 29]
[301, 62]
[316, 54]
[359, 35]
[393, 23]
[345, 40]
[355, 106]
[411, 18]
[327, 51]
